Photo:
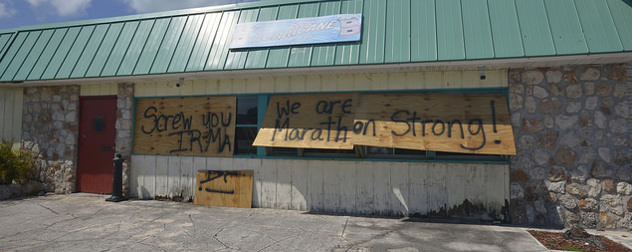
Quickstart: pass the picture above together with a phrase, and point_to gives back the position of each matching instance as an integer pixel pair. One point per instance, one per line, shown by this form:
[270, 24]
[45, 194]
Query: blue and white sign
[317, 30]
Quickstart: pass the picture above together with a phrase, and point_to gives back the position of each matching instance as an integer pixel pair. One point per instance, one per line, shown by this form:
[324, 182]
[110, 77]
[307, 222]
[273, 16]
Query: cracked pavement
[86, 222]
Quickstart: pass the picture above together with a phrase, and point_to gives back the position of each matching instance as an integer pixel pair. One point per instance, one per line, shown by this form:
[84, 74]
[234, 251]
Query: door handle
[104, 148]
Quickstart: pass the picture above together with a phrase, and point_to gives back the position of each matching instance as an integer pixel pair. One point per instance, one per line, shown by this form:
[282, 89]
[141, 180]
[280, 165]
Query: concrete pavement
[84, 222]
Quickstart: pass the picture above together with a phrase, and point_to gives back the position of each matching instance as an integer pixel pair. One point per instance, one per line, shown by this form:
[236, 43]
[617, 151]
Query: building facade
[497, 110]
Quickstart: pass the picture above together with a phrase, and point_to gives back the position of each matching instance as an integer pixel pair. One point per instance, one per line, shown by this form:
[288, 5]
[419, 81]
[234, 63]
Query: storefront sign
[327, 29]
[198, 126]
[464, 123]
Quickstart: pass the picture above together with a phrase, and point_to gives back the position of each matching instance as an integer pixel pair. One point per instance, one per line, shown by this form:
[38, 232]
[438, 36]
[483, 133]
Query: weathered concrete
[80, 222]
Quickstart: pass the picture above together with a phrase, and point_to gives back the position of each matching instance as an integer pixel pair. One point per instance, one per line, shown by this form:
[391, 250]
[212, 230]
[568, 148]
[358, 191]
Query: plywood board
[464, 123]
[195, 126]
[224, 188]
[308, 121]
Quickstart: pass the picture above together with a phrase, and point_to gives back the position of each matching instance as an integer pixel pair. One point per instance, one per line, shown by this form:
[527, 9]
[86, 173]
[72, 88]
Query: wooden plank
[308, 121]
[465, 123]
[224, 188]
[186, 178]
[496, 179]
[268, 184]
[199, 164]
[148, 171]
[198, 126]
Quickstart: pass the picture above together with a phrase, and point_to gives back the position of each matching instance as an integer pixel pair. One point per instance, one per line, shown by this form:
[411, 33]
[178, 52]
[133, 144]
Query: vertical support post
[117, 181]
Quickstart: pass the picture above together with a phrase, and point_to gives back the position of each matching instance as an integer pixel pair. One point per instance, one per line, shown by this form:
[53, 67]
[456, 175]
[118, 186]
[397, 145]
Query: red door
[96, 144]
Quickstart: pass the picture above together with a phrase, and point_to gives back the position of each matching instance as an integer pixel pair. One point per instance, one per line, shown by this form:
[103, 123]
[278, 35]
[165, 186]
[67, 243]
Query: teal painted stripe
[423, 31]
[565, 27]
[47, 55]
[506, 35]
[598, 26]
[129, 61]
[450, 40]
[34, 55]
[477, 31]
[535, 28]
[120, 49]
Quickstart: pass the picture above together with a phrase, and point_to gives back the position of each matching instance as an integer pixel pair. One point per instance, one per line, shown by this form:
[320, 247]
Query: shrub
[16, 164]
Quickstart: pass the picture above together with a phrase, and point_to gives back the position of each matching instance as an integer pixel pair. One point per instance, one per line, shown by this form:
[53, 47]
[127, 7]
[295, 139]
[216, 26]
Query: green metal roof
[394, 31]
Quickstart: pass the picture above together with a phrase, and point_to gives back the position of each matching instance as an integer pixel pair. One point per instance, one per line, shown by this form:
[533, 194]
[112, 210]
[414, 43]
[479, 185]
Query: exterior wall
[352, 187]
[124, 122]
[50, 128]
[359, 187]
[11, 100]
[572, 131]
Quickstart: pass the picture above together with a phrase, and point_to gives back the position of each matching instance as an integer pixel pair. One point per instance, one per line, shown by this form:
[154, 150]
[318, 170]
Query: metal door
[97, 135]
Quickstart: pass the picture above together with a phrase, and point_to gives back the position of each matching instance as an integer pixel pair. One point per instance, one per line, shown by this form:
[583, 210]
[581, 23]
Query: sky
[18, 13]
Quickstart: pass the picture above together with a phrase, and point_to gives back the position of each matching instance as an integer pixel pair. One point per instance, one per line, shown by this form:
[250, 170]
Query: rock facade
[50, 127]
[125, 106]
[572, 127]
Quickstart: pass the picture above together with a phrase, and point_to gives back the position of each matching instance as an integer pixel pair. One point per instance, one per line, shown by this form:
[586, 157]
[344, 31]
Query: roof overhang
[437, 66]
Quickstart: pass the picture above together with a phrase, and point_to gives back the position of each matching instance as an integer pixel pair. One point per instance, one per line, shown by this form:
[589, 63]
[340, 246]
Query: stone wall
[125, 105]
[50, 126]
[573, 138]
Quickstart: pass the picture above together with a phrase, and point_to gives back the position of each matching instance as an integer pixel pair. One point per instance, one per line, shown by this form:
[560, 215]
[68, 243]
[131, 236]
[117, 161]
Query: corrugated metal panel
[349, 54]
[394, 31]
[505, 29]
[599, 29]
[397, 46]
[534, 26]
[449, 30]
[373, 32]
[278, 57]
[323, 55]
[565, 25]
[621, 12]
[477, 31]
[423, 33]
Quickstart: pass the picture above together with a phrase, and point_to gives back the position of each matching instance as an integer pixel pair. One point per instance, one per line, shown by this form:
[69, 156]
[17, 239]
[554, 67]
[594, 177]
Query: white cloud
[64, 8]
[6, 11]
[144, 6]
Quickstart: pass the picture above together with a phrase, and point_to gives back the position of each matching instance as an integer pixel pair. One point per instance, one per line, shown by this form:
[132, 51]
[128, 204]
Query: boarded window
[460, 123]
[198, 126]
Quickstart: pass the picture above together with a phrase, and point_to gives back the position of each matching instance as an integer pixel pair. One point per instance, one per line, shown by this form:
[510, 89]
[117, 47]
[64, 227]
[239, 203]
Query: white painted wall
[11, 104]
[358, 187]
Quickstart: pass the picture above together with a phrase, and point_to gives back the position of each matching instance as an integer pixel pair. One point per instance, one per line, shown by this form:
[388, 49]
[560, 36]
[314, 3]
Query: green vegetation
[16, 164]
